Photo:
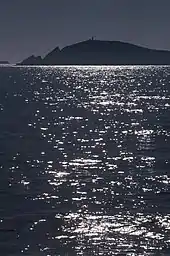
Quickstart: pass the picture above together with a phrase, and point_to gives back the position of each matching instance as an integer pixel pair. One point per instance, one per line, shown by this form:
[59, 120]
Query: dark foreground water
[84, 161]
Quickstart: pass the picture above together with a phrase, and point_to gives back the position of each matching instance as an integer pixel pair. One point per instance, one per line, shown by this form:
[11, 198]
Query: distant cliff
[96, 52]
[32, 60]
[4, 62]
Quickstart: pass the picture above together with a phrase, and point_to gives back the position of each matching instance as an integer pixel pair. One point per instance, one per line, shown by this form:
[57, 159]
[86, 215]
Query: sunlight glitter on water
[88, 166]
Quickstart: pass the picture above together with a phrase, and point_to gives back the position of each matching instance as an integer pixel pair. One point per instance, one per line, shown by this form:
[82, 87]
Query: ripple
[85, 160]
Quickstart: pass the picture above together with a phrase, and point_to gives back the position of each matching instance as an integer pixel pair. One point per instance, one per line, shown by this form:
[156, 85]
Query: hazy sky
[37, 26]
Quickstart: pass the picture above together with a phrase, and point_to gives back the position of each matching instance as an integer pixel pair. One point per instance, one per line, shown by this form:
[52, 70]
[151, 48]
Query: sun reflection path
[96, 160]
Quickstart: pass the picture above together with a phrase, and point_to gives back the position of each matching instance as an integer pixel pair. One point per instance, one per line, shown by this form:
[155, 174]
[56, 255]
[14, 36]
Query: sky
[37, 26]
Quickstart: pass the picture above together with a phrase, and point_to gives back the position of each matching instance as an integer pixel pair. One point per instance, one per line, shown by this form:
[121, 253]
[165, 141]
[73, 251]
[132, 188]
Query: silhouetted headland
[97, 52]
[4, 62]
[32, 60]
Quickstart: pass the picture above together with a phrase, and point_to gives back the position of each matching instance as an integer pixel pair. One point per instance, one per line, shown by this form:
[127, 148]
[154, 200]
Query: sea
[84, 160]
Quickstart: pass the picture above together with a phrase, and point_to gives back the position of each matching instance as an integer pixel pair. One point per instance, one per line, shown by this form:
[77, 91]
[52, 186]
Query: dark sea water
[84, 161]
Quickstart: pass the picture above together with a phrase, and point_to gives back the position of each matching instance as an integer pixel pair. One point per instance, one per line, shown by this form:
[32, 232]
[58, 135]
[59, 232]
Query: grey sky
[37, 26]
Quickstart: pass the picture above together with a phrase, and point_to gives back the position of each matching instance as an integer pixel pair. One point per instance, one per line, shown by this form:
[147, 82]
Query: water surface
[84, 161]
